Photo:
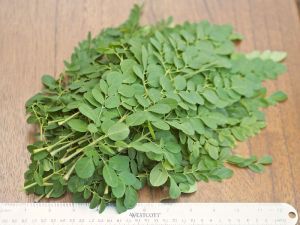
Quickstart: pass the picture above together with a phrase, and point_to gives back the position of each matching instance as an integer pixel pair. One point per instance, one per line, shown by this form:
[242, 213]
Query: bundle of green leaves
[156, 105]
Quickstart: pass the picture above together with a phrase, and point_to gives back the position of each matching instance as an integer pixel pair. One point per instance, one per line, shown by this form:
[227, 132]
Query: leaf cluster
[156, 105]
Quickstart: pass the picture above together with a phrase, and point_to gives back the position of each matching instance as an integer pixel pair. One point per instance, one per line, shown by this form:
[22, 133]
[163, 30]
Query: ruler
[150, 214]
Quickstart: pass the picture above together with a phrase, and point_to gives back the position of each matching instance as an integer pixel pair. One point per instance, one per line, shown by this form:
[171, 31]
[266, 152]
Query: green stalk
[71, 149]
[48, 148]
[39, 198]
[70, 171]
[49, 194]
[205, 67]
[53, 153]
[66, 159]
[44, 179]
[68, 174]
[67, 119]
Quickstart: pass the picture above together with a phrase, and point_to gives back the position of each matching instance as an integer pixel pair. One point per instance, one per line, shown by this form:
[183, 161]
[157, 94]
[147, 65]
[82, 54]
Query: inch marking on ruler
[150, 214]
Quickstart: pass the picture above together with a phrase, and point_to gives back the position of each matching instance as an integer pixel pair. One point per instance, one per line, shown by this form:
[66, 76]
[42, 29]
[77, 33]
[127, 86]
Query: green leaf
[92, 128]
[276, 97]
[170, 102]
[118, 132]
[103, 86]
[136, 118]
[160, 124]
[155, 72]
[78, 198]
[213, 152]
[78, 125]
[127, 90]
[119, 162]
[75, 184]
[144, 57]
[242, 85]
[158, 175]
[197, 125]
[85, 168]
[112, 102]
[247, 162]
[138, 71]
[131, 198]
[165, 83]
[106, 149]
[234, 159]
[265, 160]
[209, 121]
[49, 81]
[146, 147]
[185, 127]
[129, 178]
[114, 78]
[188, 188]
[96, 92]
[223, 173]
[256, 168]
[87, 194]
[154, 95]
[160, 108]
[191, 97]
[142, 101]
[95, 201]
[87, 111]
[57, 190]
[120, 205]
[174, 190]
[210, 96]
[276, 56]
[102, 206]
[38, 178]
[180, 83]
[119, 190]
[134, 18]
[110, 176]
[126, 67]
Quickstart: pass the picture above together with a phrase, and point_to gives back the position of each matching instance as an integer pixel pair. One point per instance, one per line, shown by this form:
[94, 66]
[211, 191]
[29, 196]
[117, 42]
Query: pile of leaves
[158, 105]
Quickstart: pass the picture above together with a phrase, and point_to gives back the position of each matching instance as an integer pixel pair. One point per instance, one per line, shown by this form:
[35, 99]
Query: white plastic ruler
[150, 214]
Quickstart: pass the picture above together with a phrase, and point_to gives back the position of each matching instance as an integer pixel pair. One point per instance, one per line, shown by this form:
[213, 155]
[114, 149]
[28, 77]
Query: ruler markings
[150, 213]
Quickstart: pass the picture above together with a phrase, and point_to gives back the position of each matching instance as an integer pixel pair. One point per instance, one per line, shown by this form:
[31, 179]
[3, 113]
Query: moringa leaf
[87, 111]
[174, 190]
[78, 125]
[110, 176]
[119, 162]
[158, 175]
[118, 132]
[131, 198]
[85, 168]
[160, 108]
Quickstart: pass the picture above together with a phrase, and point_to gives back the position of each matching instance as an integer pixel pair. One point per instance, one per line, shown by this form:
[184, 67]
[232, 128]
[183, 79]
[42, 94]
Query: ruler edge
[70, 204]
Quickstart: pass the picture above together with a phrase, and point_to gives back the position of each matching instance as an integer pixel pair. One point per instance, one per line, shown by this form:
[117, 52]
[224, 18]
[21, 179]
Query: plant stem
[66, 159]
[44, 179]
[48, 148]
[49, 194]
[39, 198]
[204, 68]
[142, 137]
[71, 149]
[67, 119]
[53, 153]
[70, 171]
[122, 118]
